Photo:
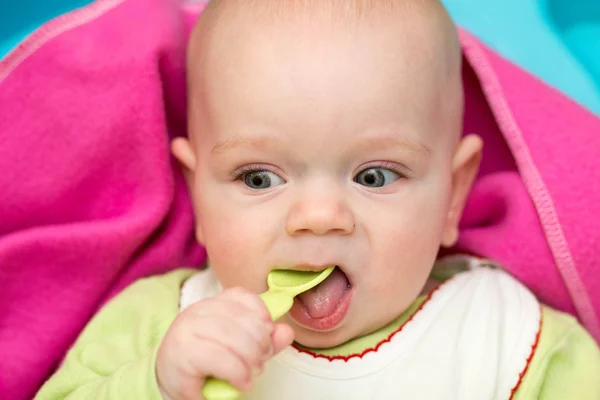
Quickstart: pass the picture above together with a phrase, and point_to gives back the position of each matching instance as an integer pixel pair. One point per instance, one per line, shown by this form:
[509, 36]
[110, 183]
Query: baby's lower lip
[300, 315]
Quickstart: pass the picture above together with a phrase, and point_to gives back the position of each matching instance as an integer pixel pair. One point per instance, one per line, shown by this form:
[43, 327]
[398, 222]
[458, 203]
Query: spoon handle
[278, 303]
[218, 389]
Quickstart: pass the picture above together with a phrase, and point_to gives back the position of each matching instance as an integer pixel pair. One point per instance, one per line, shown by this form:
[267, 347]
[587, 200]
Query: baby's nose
[321, 215]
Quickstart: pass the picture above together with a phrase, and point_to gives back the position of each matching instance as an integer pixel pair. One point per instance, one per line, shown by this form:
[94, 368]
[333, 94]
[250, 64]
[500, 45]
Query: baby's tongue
[323, 299]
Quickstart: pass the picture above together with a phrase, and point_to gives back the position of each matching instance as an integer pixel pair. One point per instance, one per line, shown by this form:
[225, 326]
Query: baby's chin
[351, 328]
[321, 340]
[328, 339]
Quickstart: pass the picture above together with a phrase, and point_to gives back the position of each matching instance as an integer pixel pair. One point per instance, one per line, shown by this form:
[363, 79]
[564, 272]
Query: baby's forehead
[418, 21]
[420, 30]
[237, 43]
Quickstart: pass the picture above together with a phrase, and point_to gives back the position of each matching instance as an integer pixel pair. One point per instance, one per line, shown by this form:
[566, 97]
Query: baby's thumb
[282, 337]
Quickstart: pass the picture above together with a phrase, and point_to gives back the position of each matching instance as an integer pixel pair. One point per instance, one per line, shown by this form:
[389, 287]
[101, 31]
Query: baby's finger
[214, 359]
[227, 305]
[247, 299]
[282, 337]
[259, 330]
[231, 335]
[247, 319]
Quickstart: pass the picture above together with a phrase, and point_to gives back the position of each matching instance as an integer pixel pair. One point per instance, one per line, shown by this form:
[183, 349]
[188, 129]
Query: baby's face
[318, 150]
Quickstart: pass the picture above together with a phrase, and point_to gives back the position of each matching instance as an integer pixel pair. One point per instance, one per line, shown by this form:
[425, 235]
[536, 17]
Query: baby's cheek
[232, 251]
[404, 259]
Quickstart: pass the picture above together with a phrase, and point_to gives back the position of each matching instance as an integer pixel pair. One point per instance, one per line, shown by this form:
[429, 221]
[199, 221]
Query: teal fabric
[557, 40]
[18, 18]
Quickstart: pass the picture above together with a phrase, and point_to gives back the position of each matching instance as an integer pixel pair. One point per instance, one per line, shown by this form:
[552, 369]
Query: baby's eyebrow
[229, 144]
[387, 142]
[369, 144]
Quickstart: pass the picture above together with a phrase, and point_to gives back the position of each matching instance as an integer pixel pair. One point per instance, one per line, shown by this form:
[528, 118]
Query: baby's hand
[229, 336]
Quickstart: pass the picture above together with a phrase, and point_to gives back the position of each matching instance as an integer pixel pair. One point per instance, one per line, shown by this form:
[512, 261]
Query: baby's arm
[566, 364]
[114, 358]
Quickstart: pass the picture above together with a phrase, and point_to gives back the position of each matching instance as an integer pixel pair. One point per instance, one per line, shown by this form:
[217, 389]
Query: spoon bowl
[296, 281]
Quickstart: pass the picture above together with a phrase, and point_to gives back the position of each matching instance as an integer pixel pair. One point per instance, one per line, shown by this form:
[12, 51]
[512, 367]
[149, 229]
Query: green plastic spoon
[284, 285]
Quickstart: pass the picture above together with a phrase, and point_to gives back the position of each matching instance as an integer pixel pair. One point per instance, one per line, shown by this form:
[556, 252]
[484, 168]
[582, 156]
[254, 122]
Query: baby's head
[328, 133]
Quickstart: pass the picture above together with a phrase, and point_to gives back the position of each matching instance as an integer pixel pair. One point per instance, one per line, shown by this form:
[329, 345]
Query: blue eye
[376, 177]
[262, 179]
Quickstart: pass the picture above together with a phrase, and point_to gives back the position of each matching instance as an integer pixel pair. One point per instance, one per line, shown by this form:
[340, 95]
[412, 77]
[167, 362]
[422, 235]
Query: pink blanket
[90, 199]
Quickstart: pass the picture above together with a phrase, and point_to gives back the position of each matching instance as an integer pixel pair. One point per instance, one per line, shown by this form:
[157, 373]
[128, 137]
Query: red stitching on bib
[533, 348]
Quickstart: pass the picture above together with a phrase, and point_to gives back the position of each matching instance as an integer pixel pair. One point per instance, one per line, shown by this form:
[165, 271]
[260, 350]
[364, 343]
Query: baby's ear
[183, 152]
[465, 166]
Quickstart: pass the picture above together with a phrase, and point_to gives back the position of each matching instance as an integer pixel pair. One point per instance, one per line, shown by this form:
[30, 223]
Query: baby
[328, 133]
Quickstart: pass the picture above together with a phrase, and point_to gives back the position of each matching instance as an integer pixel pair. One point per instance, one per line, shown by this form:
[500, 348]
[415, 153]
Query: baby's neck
[430, 286]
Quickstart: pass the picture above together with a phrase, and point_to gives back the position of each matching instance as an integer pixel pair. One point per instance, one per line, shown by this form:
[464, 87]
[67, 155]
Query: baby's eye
[262, 179]
[376, 177]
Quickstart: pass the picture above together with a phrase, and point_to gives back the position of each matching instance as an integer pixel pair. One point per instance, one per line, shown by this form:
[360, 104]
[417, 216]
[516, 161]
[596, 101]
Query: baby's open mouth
[325, 305]
[323, 299]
